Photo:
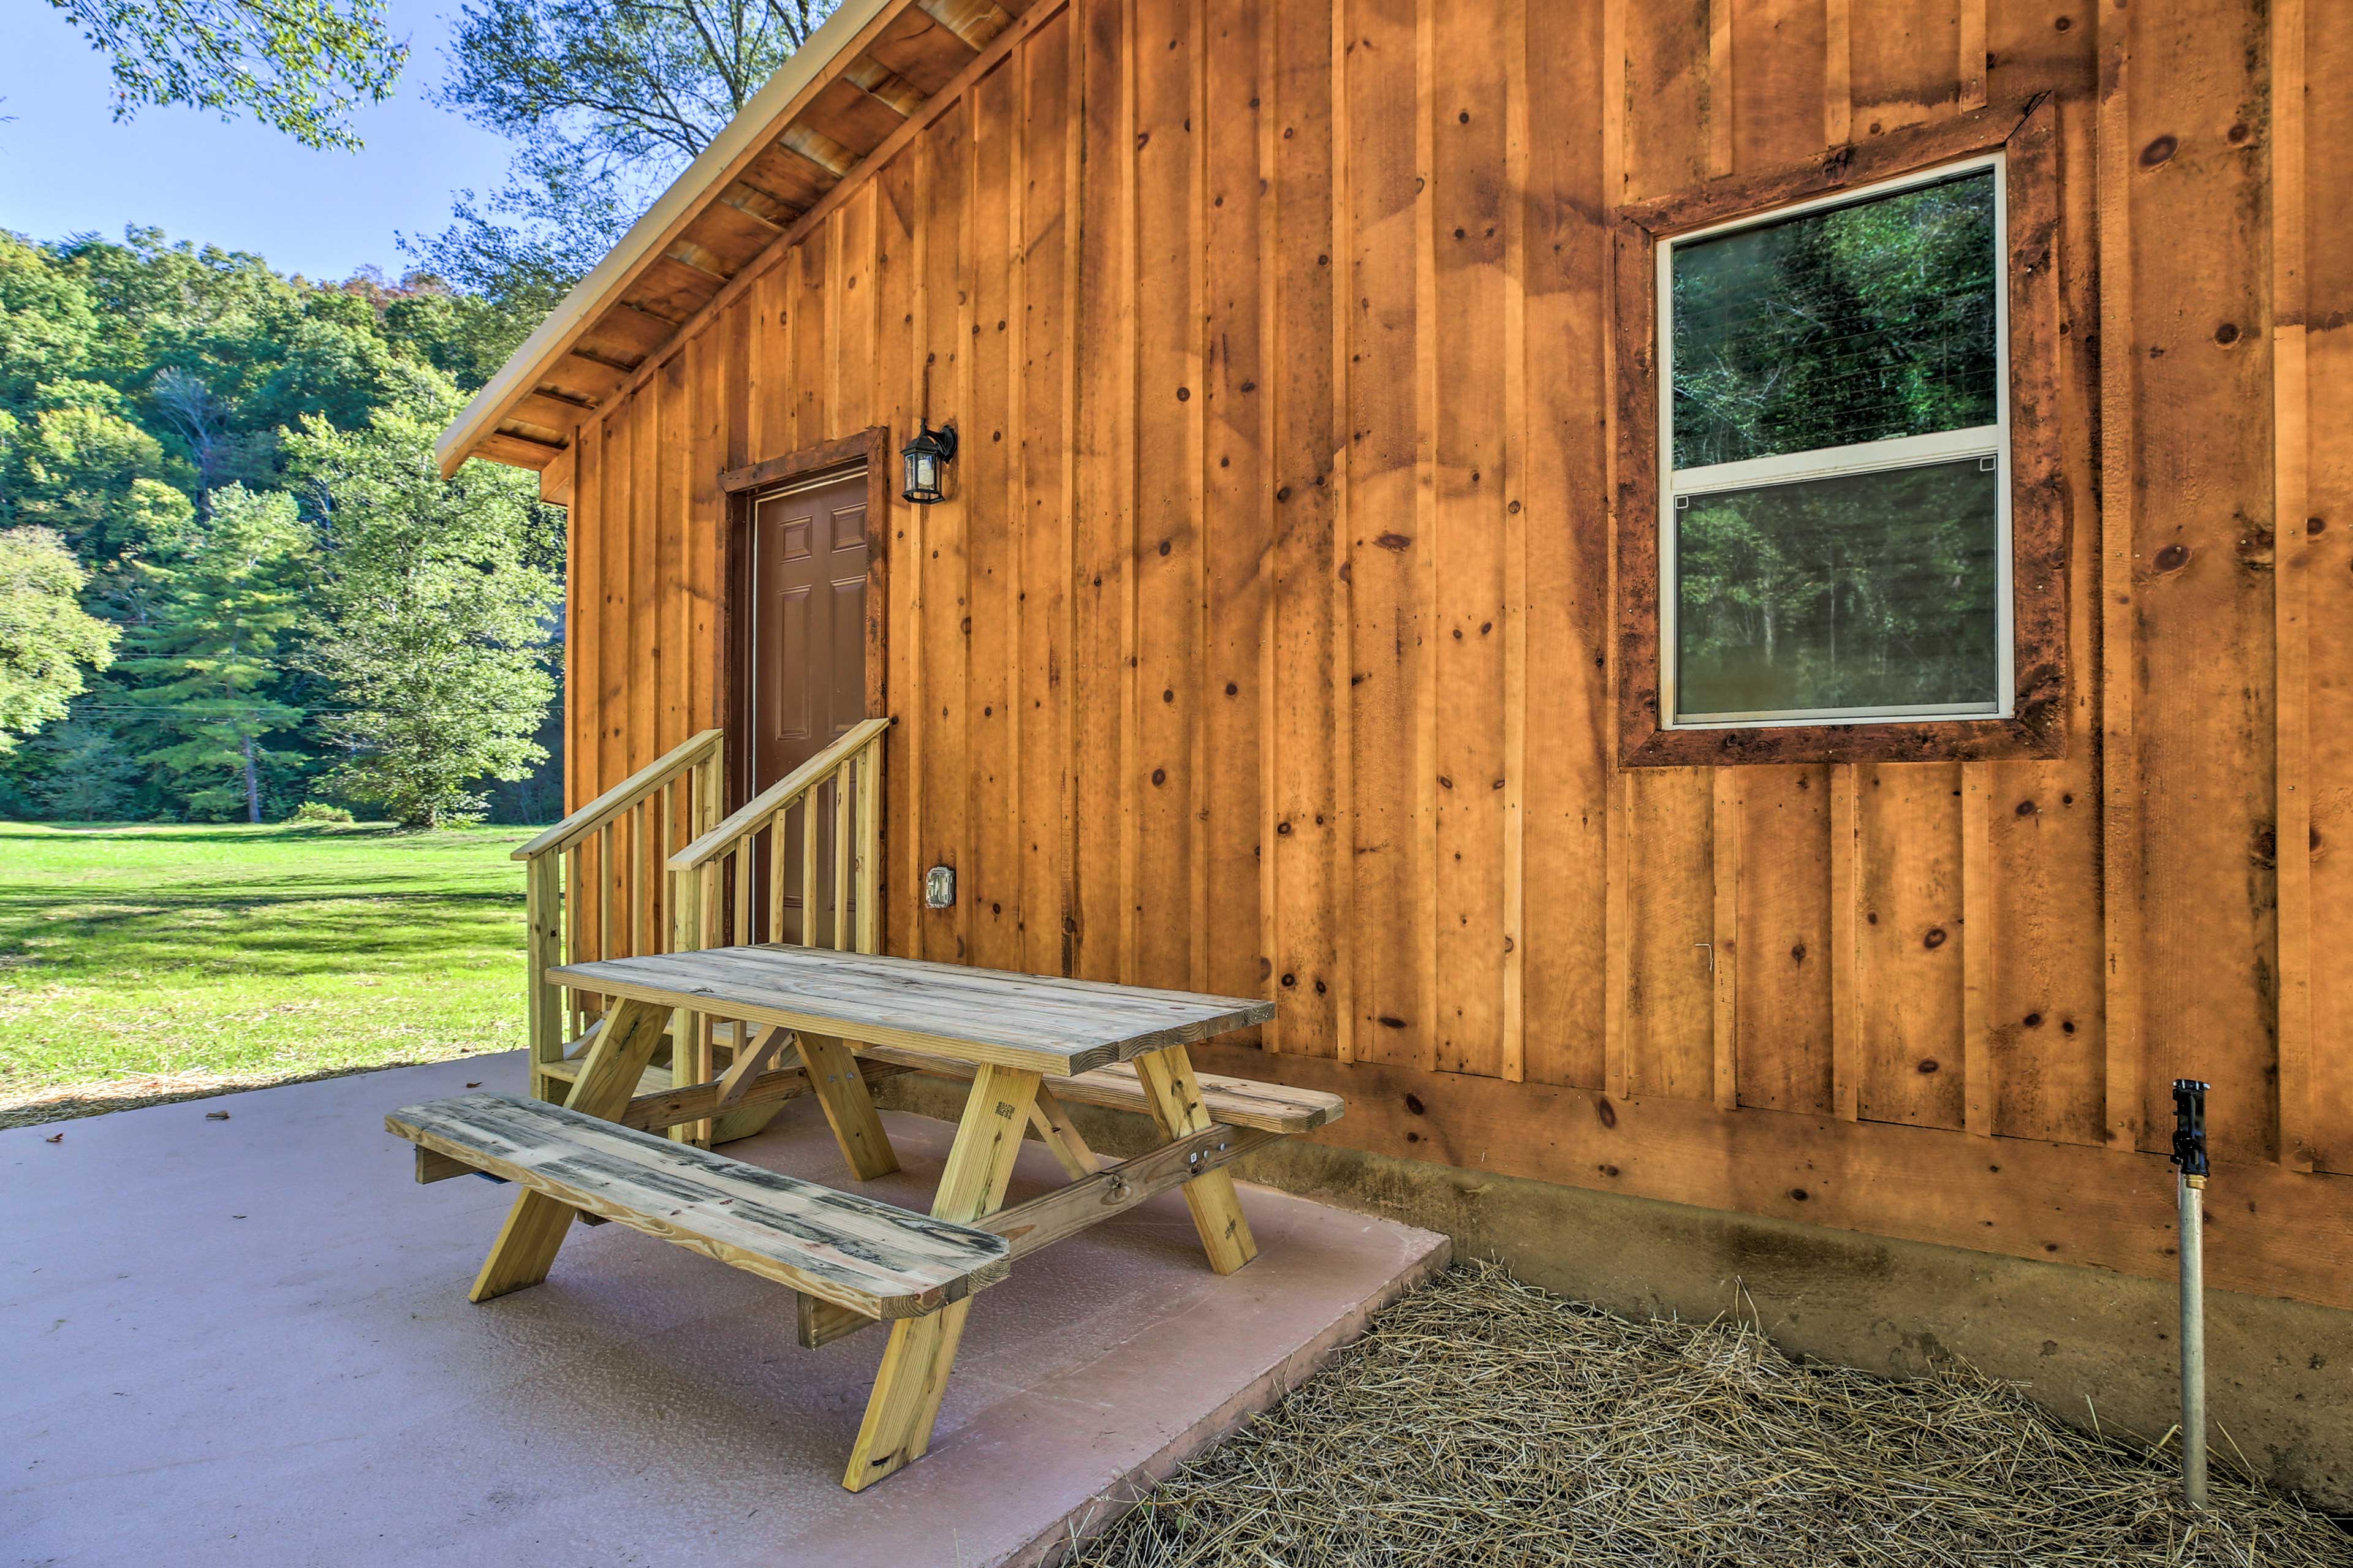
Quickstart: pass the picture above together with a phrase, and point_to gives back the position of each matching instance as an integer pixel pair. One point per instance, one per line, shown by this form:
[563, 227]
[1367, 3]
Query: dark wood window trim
[741, 487]
[2039, 522]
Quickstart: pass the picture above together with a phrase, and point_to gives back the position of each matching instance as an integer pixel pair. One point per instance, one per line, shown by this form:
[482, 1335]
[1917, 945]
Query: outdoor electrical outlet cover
[939, 887]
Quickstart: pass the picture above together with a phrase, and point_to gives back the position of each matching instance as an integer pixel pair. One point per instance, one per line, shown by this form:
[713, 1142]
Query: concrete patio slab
[246, 1341]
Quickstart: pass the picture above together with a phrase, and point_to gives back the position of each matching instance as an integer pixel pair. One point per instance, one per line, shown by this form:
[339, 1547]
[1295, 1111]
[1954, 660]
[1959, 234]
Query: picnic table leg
[748, 1122]
[907, 1390]
[536, 1225]
[841, 1088]
[1167, 1076]
[1061, 1135]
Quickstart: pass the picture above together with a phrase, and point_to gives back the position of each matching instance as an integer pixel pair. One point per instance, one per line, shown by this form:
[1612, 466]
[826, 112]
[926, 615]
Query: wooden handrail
[604, 881]
[594, 883]
[729, 887]
[753, 814]
[623, 795]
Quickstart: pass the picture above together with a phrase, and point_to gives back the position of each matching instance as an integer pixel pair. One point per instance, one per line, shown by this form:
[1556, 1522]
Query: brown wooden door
[802, 643]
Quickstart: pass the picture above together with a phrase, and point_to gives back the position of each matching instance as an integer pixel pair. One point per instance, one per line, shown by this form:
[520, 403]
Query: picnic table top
[1042, 1023]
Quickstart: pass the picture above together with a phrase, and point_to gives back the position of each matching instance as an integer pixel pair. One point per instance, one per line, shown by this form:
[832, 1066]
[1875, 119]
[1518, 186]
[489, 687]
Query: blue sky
[66, 166]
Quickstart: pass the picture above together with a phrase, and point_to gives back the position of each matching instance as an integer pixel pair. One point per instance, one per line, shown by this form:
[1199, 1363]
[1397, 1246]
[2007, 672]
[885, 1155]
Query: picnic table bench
[1028, 1043]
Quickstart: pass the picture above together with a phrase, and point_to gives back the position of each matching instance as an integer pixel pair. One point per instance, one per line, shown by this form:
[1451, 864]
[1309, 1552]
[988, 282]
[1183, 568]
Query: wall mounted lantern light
[927, 456]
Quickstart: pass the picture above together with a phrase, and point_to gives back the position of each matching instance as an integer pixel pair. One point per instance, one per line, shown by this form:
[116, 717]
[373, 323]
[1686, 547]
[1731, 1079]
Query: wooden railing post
[690, 1040]
[543, 949]
[714, 875]
[609, 852]
[869, 880]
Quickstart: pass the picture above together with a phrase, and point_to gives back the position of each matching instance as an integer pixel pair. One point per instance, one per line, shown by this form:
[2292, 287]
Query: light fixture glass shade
[928, 457]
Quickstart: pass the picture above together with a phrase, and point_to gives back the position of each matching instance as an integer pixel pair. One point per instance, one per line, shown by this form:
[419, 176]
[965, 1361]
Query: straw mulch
[1484, 1422]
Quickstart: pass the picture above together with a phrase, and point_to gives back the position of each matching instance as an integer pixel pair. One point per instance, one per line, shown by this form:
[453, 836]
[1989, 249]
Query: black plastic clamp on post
[2190, 1126]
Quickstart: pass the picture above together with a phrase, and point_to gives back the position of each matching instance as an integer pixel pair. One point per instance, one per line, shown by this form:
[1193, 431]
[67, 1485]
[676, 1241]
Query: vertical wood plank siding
[2323, 536]
[1263, 647]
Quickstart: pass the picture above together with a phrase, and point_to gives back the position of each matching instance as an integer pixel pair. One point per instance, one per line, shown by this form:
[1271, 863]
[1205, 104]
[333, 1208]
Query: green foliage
[92, 477]
[620, 79]
[45, 638]
[147, 361]
[523, 247]
[48, 321]
[301, 66]
[606, 100]
[319, 813]
[434, 619]
[340, 372]
[146, 394]
[464, 336]
[211, 659]
[86, 773]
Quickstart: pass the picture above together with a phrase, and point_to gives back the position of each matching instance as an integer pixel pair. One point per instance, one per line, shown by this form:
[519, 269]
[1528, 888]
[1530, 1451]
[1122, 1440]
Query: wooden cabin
[1319, 609]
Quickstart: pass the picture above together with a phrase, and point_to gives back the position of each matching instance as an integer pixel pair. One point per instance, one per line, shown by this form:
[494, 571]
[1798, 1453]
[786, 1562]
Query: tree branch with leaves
[47, 639]
[301, 66]
[607, 100]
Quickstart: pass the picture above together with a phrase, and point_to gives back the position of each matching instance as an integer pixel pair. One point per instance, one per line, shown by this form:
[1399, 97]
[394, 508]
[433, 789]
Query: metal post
[2190, 1154]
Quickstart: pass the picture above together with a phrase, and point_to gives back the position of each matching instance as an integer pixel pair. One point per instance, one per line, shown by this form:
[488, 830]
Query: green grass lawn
[148, 962]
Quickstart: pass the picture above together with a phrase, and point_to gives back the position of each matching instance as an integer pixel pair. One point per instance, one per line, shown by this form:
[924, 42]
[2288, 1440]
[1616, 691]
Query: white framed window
[1834, 527]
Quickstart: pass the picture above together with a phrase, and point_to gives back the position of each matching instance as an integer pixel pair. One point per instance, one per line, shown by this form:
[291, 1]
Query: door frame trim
[742, 488]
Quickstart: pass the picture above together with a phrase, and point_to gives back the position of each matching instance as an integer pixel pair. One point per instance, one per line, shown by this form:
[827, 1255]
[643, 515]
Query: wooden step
[871, 1257]
[1236, 1102]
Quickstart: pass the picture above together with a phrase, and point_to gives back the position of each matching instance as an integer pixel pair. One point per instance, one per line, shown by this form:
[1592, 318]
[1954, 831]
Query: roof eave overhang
[760, 121]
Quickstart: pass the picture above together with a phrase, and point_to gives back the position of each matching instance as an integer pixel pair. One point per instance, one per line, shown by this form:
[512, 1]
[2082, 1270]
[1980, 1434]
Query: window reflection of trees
[1867, 591]
[1832, 328]
[1855, 324]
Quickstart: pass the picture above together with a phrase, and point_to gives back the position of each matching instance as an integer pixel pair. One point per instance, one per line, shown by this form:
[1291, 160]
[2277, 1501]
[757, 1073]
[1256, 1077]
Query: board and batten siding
[1266, 646]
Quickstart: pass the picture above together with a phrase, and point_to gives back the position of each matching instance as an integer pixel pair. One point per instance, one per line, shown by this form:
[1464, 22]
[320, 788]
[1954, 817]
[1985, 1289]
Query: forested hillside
[230, 579]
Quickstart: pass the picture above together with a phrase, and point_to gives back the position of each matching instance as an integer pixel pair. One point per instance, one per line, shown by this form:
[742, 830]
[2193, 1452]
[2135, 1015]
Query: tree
[143, 360]
[463, 336]
[335, 364]
[48, 321]
[45, 638]
[1855, 324]
[212, 658]
[607, 100]
[301, 66]
[521, 248]
[207, 427]
[86, 773]
[94, 478]
[142, 379]
[432, 621]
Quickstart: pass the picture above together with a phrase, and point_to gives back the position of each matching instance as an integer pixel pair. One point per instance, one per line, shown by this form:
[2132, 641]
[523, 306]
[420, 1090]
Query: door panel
[847, 661]
[791, 725]
[805, 664]
[808, 622]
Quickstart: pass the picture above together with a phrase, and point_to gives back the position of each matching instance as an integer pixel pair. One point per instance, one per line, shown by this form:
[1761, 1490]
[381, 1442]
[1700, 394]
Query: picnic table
[1030, 1045]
